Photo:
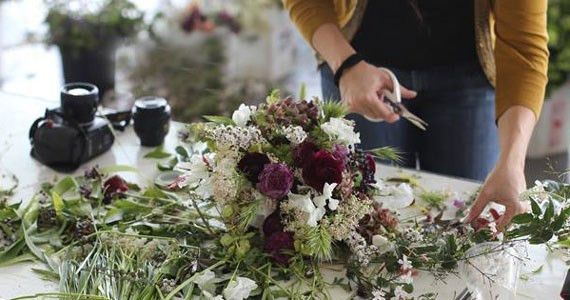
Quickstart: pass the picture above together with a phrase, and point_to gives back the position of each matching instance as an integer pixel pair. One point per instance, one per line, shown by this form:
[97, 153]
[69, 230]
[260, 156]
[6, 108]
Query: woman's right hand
[362, 90]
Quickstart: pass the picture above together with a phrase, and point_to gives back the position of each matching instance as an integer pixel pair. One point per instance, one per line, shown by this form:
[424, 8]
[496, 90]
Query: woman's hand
[505, 183]
[362, 90]
[503, 186]
[361, 86]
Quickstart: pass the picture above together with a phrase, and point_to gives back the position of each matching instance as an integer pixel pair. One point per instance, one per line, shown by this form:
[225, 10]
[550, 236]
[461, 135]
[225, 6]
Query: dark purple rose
[252, 164]
[371, 163]
[272, 224]
[278, 242]
[340, 152]
[323, 168]
[303, 153]
[368, 168]
[275, 181]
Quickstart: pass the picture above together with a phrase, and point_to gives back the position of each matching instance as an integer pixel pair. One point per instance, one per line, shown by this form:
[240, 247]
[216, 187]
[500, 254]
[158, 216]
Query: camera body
[68, 136]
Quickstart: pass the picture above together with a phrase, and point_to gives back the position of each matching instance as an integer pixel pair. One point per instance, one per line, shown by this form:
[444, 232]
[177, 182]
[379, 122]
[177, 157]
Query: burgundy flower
[340, 152]
[114, 186]
[252, 164]
[370, 163]
[272, 224]
[303, 153]
[480, 223]
[275, 181]
[278, 242]
[323, 168]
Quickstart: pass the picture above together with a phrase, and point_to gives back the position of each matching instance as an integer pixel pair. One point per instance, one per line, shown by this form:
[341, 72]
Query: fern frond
[319, 242]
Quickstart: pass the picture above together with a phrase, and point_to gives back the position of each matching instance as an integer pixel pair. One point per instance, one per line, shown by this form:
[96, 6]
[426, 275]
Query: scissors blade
[401, 110]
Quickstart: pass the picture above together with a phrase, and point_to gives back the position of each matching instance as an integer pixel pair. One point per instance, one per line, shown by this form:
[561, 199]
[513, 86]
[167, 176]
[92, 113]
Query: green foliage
[434, 199]
[158, 153]
[319, 243]
[85, 29]
[559, 43]
[387, 153]
[222, 120]
[334, 109]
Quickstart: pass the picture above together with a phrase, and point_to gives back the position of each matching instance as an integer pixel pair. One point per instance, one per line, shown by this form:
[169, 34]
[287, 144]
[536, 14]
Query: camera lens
[151, 116]
[79, 102]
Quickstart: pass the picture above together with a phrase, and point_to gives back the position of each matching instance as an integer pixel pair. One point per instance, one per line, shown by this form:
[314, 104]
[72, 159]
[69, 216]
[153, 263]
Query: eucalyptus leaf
[222, 120]
[64, 185]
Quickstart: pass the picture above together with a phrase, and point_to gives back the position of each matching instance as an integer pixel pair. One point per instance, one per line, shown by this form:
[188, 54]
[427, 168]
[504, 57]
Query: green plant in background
[559, 43]
[83, 25]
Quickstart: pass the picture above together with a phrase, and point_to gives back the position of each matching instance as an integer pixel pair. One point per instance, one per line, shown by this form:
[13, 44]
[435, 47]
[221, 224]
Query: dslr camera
[67, 136]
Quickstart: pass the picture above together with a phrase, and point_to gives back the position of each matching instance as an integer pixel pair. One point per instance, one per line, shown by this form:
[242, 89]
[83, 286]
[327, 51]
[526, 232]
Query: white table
[17, 114]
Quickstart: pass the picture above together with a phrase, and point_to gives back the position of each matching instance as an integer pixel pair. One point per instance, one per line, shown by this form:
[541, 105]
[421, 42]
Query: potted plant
[87, 34]
[552, 132]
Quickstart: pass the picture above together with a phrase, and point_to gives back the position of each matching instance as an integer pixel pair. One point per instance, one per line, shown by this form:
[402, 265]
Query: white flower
[195, 170]
[305, 204]
[295, 134]
[404, 263]
[341, 129]
[378, 295]
[493, 227]
[399, 293]
[243, 114]
[406, 278]
[321, 200]
[239, 289]
[396, 196]
[204, 277]
[209, 296]
[382, 243]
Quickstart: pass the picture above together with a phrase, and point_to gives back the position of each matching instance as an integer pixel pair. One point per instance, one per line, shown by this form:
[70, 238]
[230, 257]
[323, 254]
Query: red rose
[114, 186]
[278, 242]
[322, 168]
[303, 153]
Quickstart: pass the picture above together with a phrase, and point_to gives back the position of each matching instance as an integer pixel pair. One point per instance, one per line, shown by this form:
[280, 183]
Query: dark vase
[96, 66]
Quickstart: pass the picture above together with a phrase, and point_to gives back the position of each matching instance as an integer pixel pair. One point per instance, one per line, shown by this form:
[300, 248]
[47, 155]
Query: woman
[457, 57]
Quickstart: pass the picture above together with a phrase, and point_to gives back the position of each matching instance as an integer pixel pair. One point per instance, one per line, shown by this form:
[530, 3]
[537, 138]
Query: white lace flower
[304, 203]
[204, 277]
[399, 293]
[321, 200]
[405, 264]
[342, 130]
[239, 289]
[243, 114]
[295, 134]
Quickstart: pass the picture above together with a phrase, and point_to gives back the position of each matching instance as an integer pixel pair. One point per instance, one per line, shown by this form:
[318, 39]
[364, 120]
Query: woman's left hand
[503, 186]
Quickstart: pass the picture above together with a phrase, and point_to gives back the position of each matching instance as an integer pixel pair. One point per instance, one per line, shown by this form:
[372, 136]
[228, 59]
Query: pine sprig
[334, 109]
[319, 242]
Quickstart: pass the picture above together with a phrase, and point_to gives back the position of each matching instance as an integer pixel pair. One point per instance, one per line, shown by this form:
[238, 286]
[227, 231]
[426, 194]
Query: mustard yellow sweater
[515, 61]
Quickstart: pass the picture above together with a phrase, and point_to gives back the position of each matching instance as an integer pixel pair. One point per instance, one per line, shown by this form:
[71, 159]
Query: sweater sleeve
[521, 54]
[309, 15]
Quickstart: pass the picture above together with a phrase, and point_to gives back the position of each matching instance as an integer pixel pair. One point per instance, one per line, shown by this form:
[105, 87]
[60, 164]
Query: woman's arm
[521, 55]
[507, 180]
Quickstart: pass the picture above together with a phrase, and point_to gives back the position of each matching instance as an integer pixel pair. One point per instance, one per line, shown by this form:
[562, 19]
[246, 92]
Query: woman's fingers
[381, 110]
[407, 94]
[477, 207]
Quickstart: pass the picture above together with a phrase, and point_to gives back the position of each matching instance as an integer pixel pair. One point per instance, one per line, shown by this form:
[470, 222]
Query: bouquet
[275, 202]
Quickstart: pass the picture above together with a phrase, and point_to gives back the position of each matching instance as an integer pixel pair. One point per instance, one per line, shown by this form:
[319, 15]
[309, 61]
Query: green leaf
[182, 152]
[158, 153]
[31, 246]
[523, 218]
[334, 109]
[222, 120]
[274, 96]
[167, 166]
[549, 213]
[57, 203]
[535, 208]
[118, 168]
[387, 153]
[12, 251]
[64, 185]
[303, 91]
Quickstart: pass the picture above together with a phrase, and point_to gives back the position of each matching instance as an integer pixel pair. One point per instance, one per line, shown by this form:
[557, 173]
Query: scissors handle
[394, 95]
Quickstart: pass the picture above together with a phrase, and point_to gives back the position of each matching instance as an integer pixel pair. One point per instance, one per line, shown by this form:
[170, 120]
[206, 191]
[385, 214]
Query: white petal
[333, 204]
